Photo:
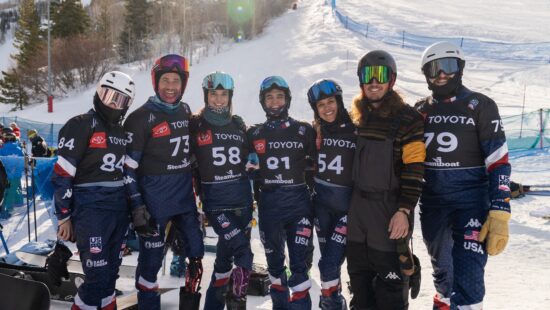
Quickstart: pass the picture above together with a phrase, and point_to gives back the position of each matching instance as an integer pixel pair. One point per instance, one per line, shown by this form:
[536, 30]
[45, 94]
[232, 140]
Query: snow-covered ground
[309, 44]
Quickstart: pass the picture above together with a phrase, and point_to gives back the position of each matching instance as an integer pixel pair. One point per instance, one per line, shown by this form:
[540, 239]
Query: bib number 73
[177, 141]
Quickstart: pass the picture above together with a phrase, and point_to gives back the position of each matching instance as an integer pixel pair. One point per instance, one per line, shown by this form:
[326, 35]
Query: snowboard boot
[178, 266]
[333, 302]
[414, 280]
[235, 303]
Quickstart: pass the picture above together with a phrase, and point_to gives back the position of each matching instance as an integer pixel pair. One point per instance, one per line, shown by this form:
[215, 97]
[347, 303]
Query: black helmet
[377, 58]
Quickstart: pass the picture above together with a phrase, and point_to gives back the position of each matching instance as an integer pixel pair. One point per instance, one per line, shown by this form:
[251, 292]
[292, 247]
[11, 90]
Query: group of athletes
[353, 177]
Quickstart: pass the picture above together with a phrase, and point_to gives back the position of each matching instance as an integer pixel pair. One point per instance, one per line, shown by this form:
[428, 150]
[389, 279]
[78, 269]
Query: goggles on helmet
[446, 65]
[213, 81]
[324, 88]
[113, 98]
[273, 81]
[382, 74]
[169, 62]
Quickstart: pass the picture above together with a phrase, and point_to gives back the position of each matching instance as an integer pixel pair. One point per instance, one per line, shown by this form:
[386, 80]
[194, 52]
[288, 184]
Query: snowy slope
[309, 44]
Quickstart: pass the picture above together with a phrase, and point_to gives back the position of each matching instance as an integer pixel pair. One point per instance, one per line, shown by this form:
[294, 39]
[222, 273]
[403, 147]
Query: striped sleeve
[72, 145]
[413, 153]
[495, 149]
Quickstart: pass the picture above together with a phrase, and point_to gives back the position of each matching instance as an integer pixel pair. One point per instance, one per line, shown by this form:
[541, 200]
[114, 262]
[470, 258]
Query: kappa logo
[259, 146]
[95, 245]
[128, 180]
[304, 221]
[474, 223]
[204, 138]
[161, 130]
[392, 276]
[68, 194]
[98, 141]
[152, 118]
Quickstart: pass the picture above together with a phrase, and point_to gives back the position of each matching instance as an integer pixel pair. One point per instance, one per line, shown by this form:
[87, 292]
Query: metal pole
[26, 167]
[522, 109]
[50, 97]
[32, 163]
[541, 129]
[4, 240]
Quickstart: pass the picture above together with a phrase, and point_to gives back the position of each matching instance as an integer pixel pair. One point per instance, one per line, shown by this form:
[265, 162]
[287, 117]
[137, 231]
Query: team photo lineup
[352, 177]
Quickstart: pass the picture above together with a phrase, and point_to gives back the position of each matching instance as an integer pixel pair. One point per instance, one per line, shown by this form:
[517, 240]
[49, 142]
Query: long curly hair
[360, 108]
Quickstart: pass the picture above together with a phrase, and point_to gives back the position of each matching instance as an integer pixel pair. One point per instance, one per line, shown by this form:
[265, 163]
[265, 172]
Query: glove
[495, 230]
[241, 279]
[56, 263]
[193, 275]
[143, 223]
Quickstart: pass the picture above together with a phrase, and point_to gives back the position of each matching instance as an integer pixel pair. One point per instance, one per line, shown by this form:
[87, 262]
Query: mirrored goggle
[446, 65]
[174, 61]
[382, 74]
[324, 88]
[113, 98]
[217, 80]
[273, 81]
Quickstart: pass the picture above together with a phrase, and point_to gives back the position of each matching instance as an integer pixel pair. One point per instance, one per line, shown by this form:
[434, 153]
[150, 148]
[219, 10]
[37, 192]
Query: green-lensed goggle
[382, 74]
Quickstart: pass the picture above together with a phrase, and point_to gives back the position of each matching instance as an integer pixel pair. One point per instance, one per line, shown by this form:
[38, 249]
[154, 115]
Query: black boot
[414, 280]
[235, 303]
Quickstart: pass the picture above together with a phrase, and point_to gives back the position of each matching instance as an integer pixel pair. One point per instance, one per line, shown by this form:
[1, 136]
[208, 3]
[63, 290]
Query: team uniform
[158, 175]
[226, 194]
[89, 190]
[467, 171]
[285, 213]
[331, 198]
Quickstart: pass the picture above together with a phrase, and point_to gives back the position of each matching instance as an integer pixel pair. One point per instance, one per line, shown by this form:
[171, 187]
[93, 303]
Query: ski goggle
[215, 80]
[446, 65]
[382, 74]
[323, 89]
[169, 62]
[273, 81]
[113, 98]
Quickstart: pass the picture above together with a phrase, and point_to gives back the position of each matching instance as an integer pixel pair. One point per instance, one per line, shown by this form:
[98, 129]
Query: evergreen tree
[69, 19]
[103, 25]
[133, 39]
[27, 34]
[12, 90]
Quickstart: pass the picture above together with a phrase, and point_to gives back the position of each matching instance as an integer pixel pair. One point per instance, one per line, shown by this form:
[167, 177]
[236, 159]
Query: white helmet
[441, 50]
[120, 82]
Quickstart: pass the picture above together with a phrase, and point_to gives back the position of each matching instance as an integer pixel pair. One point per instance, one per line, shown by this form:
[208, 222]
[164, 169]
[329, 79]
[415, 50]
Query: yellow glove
[495, 229]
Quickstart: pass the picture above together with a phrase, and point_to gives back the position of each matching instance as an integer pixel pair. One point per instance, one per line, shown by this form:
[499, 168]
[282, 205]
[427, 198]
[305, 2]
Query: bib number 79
[447, 141]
